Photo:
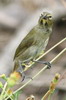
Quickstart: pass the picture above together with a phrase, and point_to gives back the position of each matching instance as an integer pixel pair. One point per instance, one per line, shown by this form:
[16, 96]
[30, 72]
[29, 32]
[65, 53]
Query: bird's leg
[21, 70]
[22, 67]
[44, 62]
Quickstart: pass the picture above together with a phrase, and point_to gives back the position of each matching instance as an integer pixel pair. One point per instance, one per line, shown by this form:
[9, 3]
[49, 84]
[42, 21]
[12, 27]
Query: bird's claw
[48, 65]
[44, 62]
[24, 77]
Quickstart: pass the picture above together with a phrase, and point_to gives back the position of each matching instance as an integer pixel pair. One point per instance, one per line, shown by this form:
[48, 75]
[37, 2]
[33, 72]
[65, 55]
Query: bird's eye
[49, 16]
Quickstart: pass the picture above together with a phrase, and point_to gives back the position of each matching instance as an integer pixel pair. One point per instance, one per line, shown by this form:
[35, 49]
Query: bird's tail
[16, 65]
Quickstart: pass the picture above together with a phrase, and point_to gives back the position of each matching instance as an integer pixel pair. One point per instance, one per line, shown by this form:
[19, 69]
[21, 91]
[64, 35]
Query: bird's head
[46, 19]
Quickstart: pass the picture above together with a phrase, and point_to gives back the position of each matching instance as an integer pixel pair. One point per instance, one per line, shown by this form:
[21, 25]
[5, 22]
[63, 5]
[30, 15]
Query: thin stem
[48, 51]
[49, 92]
[49, 98]
[3, 91]
[52, 48]
[44, 68]
[55, 58]
[46, 95]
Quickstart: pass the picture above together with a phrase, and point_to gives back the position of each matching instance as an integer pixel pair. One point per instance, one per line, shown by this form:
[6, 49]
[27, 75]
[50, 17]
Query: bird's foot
[25, 77]
[44, 62]
[23, 67]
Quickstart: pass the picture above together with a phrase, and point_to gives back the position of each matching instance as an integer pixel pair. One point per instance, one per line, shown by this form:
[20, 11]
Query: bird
[34, 42]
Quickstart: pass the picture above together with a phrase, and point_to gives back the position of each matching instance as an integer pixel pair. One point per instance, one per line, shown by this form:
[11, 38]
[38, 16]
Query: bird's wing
[25, 43]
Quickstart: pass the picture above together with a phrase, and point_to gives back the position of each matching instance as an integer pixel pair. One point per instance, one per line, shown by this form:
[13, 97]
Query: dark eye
[49, 16]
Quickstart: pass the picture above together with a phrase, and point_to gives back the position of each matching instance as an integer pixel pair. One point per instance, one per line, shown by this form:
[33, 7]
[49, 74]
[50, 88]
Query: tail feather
[16, 65]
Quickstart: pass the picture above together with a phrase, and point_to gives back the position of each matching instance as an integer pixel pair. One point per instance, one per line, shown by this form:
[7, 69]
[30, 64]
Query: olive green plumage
[35, 41]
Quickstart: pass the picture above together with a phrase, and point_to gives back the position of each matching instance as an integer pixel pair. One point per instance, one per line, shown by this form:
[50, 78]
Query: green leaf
[1, 85]
[16, 95]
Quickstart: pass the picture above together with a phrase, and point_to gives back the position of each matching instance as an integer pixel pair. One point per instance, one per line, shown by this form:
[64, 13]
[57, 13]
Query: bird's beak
[44, 21]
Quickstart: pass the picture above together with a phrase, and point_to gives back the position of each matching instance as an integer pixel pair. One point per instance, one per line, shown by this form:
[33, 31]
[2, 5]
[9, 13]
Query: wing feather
[25, 43]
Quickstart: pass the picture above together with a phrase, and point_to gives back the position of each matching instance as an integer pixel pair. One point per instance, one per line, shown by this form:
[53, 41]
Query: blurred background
[17, 17]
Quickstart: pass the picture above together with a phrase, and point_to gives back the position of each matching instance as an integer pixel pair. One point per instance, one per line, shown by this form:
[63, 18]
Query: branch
[64, 39]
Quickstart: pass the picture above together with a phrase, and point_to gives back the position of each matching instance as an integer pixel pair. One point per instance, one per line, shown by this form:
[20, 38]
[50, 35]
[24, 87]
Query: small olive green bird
[35, 41]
